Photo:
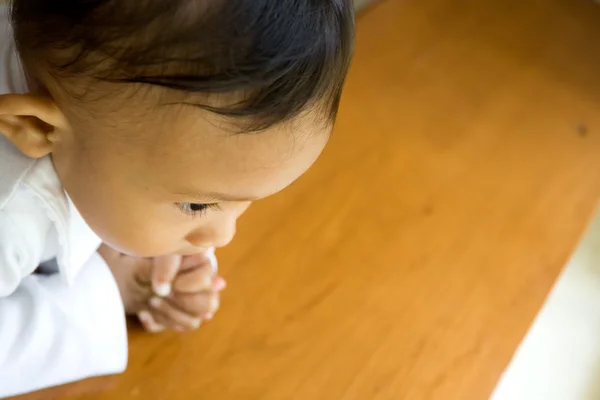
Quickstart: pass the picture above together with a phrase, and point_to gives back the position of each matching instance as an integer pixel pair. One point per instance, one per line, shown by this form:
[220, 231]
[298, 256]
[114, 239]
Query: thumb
[164, 270]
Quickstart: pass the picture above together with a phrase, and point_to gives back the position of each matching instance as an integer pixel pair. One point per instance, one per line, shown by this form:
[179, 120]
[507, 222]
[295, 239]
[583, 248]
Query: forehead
[185, 149]
[206, 151]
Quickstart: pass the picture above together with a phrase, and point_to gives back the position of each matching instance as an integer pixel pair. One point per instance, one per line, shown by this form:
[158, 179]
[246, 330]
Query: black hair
[283, 56]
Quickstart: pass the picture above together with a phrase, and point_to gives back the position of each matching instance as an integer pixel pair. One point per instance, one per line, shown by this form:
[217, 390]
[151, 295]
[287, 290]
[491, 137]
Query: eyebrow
[216, 197]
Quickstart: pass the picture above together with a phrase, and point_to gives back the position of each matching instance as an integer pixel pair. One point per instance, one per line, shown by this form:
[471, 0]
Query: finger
[164, 270]
[149, 323]
[163, 320]
[142, 271]
[194, 280]
[174, 316]
[197, 304]
[219, 284]
[200, 259]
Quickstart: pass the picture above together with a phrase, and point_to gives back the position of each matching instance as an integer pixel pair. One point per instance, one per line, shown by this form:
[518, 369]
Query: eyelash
[196, 213]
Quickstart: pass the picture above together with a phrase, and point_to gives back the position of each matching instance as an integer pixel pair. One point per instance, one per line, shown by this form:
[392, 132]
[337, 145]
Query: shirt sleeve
[51, 333]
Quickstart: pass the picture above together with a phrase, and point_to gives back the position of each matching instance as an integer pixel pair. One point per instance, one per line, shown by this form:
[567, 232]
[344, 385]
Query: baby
[133, 136]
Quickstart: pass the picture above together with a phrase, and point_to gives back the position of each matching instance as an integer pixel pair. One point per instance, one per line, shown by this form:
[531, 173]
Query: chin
[132, 252]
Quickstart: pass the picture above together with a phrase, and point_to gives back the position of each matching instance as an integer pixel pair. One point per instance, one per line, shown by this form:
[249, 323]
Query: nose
[217, 234]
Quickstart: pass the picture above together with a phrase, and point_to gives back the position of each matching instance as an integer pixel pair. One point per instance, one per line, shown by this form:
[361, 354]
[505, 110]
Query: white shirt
[66, 325]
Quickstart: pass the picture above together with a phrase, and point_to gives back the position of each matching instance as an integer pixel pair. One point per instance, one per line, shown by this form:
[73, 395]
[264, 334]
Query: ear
[31, 122]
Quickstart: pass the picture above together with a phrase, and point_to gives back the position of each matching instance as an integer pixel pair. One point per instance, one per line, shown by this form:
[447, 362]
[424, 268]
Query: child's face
[136, 172]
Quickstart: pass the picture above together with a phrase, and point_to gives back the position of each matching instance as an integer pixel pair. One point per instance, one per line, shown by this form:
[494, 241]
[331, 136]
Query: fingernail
[144, 316]
[210, 254]
[209, 316]
[163, 290]
[219, 284]
[149, 323]
[156, 328]
[155, 302]
[214, 303]
[196, 323]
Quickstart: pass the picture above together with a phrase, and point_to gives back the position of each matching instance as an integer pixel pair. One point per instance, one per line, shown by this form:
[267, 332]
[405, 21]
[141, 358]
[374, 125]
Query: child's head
[166, 118]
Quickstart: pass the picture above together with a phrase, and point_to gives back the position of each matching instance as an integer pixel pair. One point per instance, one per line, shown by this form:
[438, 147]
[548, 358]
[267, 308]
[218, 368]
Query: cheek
[112, 200]
[122, 218]
[136, 232]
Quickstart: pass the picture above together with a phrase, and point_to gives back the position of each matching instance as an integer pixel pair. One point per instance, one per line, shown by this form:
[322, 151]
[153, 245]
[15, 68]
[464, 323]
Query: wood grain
[410, 261]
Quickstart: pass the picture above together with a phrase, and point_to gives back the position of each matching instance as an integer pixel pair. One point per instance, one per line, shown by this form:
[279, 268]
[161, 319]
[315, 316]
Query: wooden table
[409, 263]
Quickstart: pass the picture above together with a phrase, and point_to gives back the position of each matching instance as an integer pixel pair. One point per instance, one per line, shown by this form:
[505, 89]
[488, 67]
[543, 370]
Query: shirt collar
[76, 240]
